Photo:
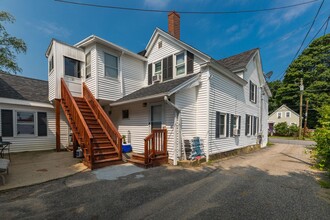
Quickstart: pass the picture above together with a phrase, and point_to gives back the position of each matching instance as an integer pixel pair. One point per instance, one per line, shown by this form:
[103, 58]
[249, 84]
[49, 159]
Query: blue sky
[278, 33]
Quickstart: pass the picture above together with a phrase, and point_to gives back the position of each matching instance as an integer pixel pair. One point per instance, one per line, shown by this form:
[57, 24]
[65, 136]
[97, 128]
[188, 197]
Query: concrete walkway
[30, 168]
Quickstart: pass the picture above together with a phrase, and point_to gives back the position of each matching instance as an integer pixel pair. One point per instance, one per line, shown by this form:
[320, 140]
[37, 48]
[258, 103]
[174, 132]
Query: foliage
[273, 102]
[281, 129]
[313, 66]
[9, 45]
[322, 138]
[293, 130]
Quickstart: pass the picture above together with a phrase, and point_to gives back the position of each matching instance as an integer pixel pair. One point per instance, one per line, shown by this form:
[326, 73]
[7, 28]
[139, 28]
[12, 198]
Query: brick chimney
[174, 24]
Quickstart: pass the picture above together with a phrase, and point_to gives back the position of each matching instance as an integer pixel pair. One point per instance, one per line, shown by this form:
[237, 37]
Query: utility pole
[306, 113]
[300, 106]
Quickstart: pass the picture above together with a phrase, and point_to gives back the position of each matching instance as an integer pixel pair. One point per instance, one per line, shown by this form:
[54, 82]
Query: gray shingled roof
[155, 89]
[23, 88]
[238, 61]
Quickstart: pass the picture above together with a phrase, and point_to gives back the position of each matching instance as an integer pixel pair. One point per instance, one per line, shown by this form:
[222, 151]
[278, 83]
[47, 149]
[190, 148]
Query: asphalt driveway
[273, 183]
[292, 142]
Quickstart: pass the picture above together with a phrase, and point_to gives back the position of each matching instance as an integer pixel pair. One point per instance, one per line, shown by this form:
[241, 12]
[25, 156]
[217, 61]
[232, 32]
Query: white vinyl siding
[132, 79]
[91, 81]
[33, 142]
[169, 48]
[229, 97]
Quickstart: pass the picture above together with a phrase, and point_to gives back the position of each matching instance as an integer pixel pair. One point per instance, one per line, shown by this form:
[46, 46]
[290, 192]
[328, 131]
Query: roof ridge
[256, 48]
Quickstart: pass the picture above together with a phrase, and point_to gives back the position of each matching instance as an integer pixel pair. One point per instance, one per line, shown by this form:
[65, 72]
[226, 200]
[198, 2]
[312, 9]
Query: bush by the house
[293, 130]
[322, 138]
[282, 129]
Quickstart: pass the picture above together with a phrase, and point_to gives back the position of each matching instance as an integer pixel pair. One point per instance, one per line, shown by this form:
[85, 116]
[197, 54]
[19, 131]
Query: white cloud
[157, 4]
[233, 28]
[275, 19]
[52, 29]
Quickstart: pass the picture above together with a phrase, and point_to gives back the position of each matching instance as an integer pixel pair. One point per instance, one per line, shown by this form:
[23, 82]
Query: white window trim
[161, 67]
[90, 65]
[51, 59]
[236, 118]
[163, 113]
[175, 65]
[287, 113]
[224, 135]
[279, 115]
[255, 89]
[250, 126]
[34, 121]
[80, 69]
[118, 66]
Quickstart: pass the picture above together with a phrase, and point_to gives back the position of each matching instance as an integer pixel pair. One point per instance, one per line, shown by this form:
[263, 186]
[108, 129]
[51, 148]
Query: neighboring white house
[169, 84]
[27, 118]
[283, 114]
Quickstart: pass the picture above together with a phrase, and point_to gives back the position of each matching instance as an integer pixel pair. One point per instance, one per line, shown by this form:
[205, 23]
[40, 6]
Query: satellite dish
[269, 74]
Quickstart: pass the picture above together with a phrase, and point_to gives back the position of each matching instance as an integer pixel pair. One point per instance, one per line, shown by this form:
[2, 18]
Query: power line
[326, 22]
[184, 12]
[326, 27]
[302, 43]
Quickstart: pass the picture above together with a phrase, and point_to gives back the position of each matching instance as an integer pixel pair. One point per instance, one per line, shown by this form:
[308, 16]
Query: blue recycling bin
[126, 148]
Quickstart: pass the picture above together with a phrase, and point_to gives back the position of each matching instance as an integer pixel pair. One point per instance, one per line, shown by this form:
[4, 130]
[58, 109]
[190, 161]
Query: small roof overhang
[191, 82]
[95, 39]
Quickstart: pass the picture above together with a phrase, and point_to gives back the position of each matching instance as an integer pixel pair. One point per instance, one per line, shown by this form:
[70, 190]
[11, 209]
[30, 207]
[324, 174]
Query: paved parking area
[29, 168]
[273, 183]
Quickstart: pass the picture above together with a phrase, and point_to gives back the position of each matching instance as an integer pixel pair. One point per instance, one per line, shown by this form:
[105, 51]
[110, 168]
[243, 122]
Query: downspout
[121, 73]
[176, 132]
[261, 114]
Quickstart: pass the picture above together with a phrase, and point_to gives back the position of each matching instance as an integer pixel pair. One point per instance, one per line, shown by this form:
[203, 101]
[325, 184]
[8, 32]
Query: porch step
[137, 161]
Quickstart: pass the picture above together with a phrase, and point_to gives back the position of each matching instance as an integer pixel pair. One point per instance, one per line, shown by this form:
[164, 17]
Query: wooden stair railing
[80, 130]
[103, 119]
[155, 149]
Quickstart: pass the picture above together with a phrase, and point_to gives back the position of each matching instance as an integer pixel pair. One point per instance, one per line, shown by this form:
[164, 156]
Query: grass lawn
[291, 138]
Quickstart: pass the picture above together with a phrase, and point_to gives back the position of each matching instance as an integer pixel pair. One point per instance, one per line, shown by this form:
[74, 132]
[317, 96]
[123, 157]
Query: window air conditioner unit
[235, 132]
[156, 78]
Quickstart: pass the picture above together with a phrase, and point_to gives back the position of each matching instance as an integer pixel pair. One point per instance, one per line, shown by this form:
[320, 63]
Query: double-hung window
[158, 68]
[235, 125]
[248, 124]
[88, 65]
[279, 114]
[111, 66]
[288, 114]
[51, 63]
[25, 123]
[253, 92]
[72, 67]
[221, 126]
[180, 64]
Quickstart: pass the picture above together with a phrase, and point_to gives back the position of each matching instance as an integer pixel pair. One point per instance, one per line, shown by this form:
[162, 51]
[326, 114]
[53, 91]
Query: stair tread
[107, 160]
[105, 153]
[136, 161]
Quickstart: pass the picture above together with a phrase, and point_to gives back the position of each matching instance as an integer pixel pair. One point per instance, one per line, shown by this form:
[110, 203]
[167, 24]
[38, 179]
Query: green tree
[313, 66]
[9, 45]
[273, 102]
[322, 138]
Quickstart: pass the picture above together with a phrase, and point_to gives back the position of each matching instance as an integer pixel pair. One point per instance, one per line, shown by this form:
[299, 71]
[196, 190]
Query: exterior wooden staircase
[92, 128]
[155, 150]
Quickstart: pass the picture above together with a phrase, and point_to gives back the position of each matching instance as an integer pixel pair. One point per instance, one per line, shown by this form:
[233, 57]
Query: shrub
[282, 129]
[322, 138]
[293, 130]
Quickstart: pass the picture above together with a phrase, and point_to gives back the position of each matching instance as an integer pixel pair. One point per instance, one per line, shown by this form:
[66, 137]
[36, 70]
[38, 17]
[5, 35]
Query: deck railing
[83, 134]
[155, 144]
[109, 128]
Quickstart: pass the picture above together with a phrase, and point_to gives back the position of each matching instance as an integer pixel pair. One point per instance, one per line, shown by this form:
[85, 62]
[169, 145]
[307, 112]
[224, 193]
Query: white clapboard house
[157, 99]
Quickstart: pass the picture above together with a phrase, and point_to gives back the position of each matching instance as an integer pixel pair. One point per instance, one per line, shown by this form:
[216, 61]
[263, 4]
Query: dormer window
[180, 64]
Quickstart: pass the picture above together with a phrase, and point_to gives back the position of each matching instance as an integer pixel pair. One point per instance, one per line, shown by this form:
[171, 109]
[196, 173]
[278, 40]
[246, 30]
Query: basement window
[125, 114]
